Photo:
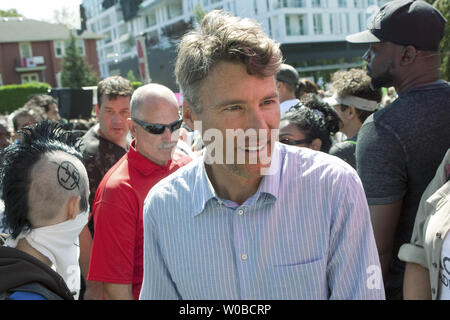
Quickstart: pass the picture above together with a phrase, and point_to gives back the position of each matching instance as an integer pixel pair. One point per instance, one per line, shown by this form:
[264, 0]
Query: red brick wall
[10, 59]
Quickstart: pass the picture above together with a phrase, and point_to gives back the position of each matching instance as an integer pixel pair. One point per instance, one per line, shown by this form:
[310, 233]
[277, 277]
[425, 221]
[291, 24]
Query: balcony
[290, 4]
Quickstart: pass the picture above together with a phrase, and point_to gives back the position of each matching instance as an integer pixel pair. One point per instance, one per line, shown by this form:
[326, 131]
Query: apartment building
[311, 32]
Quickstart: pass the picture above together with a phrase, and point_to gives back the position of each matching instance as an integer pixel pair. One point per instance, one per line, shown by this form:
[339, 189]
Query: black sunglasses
[295, 142]
[156, 128]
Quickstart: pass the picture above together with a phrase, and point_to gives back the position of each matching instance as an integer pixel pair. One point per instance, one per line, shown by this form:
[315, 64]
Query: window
[316, 3]
[80, 45]
[25, 50]
[174, 10]
[270, 27]
[105, 22]
[150, 19]
[358, 4]
[361, 21]
[295, 25]
[29, 77]
[59, 48]
[287, 22]
[108, 38]
[342, 3]
[331, 23]
[61, 45]
[318, 26]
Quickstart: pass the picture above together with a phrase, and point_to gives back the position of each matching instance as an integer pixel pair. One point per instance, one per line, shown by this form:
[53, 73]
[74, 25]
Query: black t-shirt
[99, 156]
[399, 150]
[345, 150]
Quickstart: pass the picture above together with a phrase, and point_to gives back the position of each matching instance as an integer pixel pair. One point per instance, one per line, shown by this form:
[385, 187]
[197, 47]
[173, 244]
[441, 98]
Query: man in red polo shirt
[117, 251]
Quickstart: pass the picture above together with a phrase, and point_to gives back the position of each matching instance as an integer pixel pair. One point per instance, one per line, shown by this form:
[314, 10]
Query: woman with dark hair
[311, 125]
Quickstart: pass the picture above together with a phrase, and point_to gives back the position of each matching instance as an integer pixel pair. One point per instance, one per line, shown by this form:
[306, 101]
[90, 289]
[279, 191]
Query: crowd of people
[285, 191]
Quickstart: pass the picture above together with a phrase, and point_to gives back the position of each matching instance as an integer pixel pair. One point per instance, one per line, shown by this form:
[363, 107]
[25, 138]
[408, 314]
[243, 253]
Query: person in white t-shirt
[287, 80]
[427, 256]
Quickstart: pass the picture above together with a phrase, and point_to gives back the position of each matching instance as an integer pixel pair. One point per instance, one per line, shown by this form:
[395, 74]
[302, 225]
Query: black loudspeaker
[73, 103]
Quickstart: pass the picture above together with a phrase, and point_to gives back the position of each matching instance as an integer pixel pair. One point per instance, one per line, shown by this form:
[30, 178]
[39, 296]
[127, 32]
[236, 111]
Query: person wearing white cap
[354, 100]
[401, 146]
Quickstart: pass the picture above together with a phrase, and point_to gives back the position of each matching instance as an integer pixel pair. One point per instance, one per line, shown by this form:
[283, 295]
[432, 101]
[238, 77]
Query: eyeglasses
[156, 128]
[294, 142]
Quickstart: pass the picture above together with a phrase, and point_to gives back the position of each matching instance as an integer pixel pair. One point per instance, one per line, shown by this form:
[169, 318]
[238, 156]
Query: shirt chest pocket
[299, 281]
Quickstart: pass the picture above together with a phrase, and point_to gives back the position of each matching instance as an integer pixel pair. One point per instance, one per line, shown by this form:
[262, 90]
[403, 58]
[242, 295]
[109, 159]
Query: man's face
[53, 113]
[156, 147]
[232, 99]
[380, 64]
[112, 117]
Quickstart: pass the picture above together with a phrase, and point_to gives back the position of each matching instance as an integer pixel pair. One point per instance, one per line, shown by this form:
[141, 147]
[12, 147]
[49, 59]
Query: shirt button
[438, 235]
[433, 290]
[240, 212]
[244, 257]
[435, 264]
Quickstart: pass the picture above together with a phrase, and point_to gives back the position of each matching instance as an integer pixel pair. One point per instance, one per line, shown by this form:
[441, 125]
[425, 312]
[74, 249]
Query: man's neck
[231, 186]
[24, 246]
[352, 129]
[417, 79]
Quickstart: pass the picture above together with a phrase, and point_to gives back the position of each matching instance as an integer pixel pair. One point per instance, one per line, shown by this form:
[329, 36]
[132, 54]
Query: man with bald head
[117, 251]
[44, 215]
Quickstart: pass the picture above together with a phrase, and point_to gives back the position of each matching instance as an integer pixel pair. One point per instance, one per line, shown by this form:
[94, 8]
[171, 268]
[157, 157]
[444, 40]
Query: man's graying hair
[223, 37]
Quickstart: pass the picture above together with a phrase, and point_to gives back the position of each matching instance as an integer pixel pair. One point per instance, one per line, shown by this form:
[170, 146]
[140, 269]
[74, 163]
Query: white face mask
[60, 244]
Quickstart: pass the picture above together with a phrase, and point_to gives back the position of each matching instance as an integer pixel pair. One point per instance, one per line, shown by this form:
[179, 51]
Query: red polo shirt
[117, 249]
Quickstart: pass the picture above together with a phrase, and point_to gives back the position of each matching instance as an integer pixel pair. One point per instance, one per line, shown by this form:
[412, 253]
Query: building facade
[311, 32]
[32, 50]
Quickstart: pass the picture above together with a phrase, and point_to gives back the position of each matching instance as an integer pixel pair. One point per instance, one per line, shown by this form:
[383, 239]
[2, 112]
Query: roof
[22, 29]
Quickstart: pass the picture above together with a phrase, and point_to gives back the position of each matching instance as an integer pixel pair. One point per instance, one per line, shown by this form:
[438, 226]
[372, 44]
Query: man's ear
[316, 144]
[131, 127]
[73, 207]
[97, 110]
[352, 112]
[408, 56]
[189, 115]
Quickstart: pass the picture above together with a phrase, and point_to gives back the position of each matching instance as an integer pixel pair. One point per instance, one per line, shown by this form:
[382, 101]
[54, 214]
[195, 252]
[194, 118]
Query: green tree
[130, 76]
[76, 73]
[198, 12]
[444, 7]
[10, 13]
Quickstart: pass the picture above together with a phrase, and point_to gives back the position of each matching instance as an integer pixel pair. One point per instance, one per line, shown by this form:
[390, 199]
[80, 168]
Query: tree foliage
[444, 7]
[76, 73]
[10, 13]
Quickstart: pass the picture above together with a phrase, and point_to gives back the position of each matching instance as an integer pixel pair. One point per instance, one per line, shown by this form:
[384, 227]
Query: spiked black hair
[18, 160]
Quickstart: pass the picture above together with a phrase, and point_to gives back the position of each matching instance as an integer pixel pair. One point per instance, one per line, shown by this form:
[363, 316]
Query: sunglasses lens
[176, 126]
[155, 128]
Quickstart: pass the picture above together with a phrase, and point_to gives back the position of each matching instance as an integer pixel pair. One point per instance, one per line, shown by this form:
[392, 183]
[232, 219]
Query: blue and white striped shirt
[305, 234]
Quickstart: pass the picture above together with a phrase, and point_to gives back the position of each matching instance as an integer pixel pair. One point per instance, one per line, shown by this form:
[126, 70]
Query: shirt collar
[142, 164]
[269, 185]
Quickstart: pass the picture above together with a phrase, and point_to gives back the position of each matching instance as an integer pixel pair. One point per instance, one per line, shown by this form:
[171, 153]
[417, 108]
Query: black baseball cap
[405, 22]
[287, 74]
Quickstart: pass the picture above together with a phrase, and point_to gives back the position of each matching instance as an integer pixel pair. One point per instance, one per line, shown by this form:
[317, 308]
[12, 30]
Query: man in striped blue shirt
[252, 219]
